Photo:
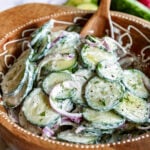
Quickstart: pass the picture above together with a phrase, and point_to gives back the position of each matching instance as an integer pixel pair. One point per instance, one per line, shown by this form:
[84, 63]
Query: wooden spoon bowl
[133, 33]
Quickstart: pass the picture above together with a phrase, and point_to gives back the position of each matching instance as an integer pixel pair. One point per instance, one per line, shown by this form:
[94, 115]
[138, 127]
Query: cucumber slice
[16, 76]
[74, 28]
[110, 44]
[133, 80]
[37, 110]
[80, 78]
[41, 49]
[133, 108]
[14, 80]
[15, 99]
[83, 74]
[71, 136]
[92, 55]
[41, 41]
[109, 70]
[64, 90]
[38, 34]
[105, 43]
[103, 95]
[64, 42]
[58, 62]
[103, 120]
[27, 125]
[54, 78]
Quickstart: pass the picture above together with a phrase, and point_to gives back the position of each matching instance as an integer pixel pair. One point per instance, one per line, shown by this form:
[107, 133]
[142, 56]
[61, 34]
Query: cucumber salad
[73, 89]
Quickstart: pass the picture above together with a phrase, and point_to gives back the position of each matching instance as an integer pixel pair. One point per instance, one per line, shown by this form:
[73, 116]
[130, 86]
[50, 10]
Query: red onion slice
[47, 132]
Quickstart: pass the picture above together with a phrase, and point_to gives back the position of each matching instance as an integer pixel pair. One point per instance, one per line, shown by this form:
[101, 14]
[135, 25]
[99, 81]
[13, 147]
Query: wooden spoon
[99, 22]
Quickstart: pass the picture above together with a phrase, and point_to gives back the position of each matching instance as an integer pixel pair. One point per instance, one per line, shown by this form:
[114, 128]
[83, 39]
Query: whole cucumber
[132, 7]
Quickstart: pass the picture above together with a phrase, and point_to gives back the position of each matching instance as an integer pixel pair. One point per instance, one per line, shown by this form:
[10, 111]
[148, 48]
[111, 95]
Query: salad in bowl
[80, 90]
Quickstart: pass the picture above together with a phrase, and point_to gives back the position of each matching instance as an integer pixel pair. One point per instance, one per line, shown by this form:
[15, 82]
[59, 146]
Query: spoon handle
[99, 22]
[104, 8]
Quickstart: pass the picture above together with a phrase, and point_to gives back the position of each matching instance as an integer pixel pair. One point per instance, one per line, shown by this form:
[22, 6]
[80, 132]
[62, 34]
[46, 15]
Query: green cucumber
[64, 42]
[71, 136]
[15, 99]
[133, 108]
[57, 62]
[80, 78]
[64, 90]
[132, 7]
[37, 109]
[133, 79]
[103, 95]
[54, 78]
[42, 49]
[16, 76]
[41, 40]
[109, 70]
[103, 120]
[92, 55]
[27, 125]
[106, 43]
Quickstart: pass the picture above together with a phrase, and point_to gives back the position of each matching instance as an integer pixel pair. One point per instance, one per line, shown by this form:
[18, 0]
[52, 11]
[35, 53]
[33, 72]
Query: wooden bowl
[132, 32]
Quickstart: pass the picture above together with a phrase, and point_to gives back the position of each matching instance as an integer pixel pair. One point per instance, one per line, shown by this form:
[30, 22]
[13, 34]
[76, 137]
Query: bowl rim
[22, 131]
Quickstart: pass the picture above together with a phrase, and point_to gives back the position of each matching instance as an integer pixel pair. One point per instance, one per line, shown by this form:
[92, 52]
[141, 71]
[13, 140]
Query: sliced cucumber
[16, 76]
[83, 74]
[133, 80]
[27, 125]
[64, 42]
[41, 49]
[133, 108]
[80, 78]
[13, 100]
[14, 80]
[71, 136]
[103, 120]
[78, 97]
[103, 95]
[41, 41]
[58, 62]
[64, 90]
[37, 110]
[109, 44]
[74, 28]
[109, 70]
[61, 100]
[106, 43]
[32, 74]
[54, 78]
[92, 55]
[38, 34]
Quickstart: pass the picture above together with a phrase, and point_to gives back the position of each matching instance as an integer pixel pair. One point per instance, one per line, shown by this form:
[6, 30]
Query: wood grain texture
[18, 16]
